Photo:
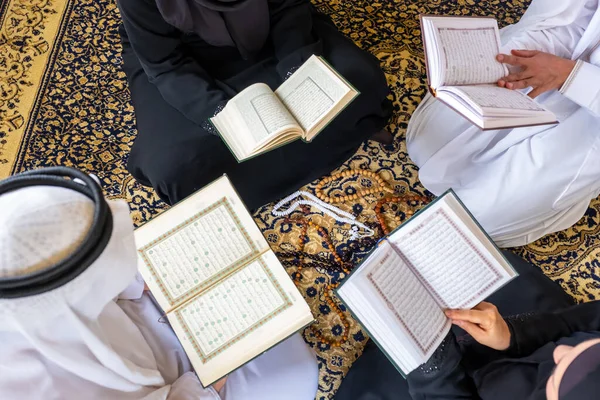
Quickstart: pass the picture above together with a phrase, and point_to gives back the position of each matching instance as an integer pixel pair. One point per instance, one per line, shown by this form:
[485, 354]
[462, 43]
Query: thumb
[524, 53]
[471, 328]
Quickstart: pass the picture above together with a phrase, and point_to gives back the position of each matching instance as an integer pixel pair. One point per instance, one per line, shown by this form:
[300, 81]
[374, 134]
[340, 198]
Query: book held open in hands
[439, 259]
[223, 291]
[462, 72]
[258, 120]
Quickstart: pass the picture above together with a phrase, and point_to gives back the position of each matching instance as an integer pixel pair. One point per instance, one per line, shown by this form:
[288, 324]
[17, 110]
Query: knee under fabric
[29, 269]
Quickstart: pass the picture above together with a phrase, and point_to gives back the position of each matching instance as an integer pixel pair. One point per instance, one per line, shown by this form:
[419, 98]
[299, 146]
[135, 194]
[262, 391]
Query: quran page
[262, 112]
[439, 259]
[458, 262]
[462, 72]
[313, 93]
[254, 121]
[468, 48]
[239, 318]
[395, 308]
[409, 301]
[258, 120]
[494, 97]
[194, 244]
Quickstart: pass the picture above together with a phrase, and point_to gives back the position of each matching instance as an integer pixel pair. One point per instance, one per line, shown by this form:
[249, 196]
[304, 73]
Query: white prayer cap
[40, 226]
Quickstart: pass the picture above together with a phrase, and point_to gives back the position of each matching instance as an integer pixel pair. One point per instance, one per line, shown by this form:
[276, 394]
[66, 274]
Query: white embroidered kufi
[40, 226]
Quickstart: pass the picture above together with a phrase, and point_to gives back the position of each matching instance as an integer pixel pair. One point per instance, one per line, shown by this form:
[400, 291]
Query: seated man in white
[524, 183]
[97, 335]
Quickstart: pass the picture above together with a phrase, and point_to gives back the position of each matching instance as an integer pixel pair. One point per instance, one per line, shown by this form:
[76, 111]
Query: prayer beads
[383, 186]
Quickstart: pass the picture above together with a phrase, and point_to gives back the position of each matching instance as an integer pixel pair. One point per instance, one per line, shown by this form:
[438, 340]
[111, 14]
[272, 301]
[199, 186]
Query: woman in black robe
[543, 318]
[185, 59]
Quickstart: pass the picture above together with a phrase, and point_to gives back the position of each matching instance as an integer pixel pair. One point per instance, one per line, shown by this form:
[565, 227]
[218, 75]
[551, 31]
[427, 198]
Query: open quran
[258, 120]
[462, 72]
[224, 292]
[439, 259]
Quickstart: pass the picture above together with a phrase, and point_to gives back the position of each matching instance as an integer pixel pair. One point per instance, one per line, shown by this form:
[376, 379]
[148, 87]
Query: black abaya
[463, 369]
[177, 82]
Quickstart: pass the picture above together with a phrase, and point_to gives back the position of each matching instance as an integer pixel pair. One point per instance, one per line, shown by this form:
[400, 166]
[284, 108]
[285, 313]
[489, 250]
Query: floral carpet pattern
[64, 101]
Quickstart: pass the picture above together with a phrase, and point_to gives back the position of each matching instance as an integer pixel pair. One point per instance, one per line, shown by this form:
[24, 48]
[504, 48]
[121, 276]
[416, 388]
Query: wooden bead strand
[303, 239]
[327, 292]
[294, 258]
[336, 308]
[383, 186]
[400, 199]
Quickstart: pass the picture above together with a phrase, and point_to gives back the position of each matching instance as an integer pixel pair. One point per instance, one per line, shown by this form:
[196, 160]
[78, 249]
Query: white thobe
[77, 342]
[288, 371]
[523, 183]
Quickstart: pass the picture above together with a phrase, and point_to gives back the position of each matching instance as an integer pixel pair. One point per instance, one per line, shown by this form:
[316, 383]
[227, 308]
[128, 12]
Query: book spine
[218, 282]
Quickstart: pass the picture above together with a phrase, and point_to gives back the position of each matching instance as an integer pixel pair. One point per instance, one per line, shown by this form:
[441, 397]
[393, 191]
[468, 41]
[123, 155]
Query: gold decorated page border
[215, 278]
[207, 357]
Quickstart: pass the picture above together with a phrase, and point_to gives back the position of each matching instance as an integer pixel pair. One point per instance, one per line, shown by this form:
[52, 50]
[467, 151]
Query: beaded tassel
[327, 209]
[332, 305]
[303, 239]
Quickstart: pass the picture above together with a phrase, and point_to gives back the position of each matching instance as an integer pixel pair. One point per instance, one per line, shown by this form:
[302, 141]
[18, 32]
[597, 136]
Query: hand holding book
[484, 323]
[464, 73]
[541, 71]
[440, 259]
[220, 384]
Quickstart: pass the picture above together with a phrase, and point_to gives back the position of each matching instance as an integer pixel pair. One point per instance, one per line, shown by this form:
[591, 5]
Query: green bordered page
[258, 120]
[224, 292]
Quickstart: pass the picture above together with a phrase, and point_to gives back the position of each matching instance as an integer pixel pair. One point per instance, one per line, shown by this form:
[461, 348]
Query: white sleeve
[188, 387]
[583, 86]
[560, 41]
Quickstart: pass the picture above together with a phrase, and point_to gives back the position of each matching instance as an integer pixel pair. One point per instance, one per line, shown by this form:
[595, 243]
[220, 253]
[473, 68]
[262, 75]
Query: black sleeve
[531, 331]
[182, 82]
[443, 377]
[292, 34]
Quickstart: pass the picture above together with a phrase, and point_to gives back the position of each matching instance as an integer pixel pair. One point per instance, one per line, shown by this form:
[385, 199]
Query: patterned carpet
[64, 101]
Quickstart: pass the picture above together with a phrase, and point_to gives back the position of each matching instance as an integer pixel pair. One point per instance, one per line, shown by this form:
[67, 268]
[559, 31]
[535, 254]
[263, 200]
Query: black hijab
[240, 23]
[581, 380]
